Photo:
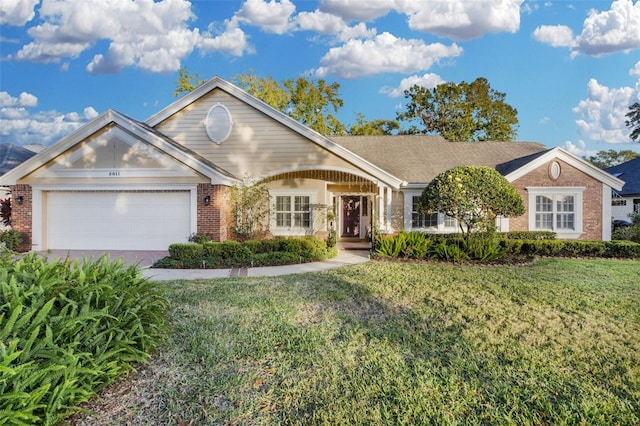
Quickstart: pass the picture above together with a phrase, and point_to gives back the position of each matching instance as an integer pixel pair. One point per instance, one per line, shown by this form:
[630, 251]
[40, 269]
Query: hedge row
[69, 329]
[416, 245]
[250, 253]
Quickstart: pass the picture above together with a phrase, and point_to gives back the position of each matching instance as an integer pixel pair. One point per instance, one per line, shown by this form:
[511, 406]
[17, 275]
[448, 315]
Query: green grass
[556, 342]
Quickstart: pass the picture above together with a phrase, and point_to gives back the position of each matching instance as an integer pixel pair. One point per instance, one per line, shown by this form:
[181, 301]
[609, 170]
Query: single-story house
[626, 201]
[118, 183]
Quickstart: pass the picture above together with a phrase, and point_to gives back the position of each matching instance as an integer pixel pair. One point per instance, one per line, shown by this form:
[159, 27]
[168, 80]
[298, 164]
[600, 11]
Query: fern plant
[69, 329]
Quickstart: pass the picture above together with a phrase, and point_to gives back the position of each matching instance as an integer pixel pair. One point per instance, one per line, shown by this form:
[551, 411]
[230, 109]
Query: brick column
[214, 219]
[21, 214]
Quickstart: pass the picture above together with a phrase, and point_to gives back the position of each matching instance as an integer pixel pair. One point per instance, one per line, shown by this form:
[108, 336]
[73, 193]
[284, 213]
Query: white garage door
[117, 220]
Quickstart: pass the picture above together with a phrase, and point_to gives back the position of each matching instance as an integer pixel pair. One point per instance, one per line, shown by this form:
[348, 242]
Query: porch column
[381, 222]
[389, 192]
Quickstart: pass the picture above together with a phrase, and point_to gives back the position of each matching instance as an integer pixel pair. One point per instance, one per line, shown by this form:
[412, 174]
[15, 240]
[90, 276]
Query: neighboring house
[626, 201]
[118, 183]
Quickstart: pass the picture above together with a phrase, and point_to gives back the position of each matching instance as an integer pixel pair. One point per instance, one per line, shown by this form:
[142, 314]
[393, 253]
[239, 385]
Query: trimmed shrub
[69, 329]
[229, 254]
[528, 235]
[186, 251]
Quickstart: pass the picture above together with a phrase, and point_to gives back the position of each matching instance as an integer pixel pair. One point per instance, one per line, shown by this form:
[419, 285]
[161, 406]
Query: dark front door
[351, 216]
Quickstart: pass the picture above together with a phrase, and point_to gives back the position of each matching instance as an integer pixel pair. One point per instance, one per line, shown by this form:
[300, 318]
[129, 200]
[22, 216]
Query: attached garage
[116, 220]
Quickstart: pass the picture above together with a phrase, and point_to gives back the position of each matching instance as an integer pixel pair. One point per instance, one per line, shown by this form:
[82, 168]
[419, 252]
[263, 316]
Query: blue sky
[570, 68]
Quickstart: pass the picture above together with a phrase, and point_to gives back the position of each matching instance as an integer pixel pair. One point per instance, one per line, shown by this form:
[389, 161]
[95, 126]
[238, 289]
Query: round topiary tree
[472, 195]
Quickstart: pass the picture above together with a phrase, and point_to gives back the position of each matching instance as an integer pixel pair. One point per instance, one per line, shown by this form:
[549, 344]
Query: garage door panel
[117, 220]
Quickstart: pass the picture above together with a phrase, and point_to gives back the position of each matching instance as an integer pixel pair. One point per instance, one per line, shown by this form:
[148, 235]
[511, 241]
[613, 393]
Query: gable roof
[140, 130]
[374, 169]
[420, 158]
[517, 170]
[629, 172]
[12, 156]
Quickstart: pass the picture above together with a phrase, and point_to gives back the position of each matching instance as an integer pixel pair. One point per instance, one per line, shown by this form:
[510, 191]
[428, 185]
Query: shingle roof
[629, 172]
[12, 155]
[419, 158]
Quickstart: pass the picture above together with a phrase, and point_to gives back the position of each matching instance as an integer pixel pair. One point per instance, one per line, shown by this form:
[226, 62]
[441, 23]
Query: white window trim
[291, 231]
[408, 213]
[574, 191]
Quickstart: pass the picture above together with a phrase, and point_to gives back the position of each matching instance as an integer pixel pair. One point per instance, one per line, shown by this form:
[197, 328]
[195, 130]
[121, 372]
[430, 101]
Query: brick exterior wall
[21, 217]
[214, 219]
[569, 176]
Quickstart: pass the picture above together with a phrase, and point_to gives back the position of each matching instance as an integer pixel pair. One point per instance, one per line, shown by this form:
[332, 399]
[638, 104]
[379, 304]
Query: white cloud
[603, 112]
[271, 16]
[613, 30]
[384, 53]
[150, 35]
[635, 71]
[578, 149]
[232, 40]
[358, 10]
[24, 100]
[320, 22]
[428, 81]
[20, 126]
[357, 31]
[462, 19]
[17, 12]
[555, 35]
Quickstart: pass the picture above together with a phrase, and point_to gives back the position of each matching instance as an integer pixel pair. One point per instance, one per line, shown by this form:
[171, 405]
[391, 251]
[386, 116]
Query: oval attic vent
[218, 123]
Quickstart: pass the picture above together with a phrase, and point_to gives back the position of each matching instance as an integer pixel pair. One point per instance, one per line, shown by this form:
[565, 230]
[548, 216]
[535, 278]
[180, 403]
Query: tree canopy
[378, 127]
[604, 159]
[633, 123]
[311, 102]
[473, 195]
[186, 82]
[460, 112]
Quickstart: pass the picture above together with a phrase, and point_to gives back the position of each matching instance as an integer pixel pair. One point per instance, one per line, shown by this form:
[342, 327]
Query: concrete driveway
[142, 259]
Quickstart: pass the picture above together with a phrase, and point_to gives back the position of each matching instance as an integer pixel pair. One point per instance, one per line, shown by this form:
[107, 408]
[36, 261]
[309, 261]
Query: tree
[266, 89]
[311, 103]
[186, 82]
[373, 128]
[472, 195]
[461, 112]
[307, 101]
[604, 159]
[633, 122]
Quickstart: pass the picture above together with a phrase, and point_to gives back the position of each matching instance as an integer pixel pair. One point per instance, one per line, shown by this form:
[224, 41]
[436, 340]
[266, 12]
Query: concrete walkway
[344, 258]
[145, 259]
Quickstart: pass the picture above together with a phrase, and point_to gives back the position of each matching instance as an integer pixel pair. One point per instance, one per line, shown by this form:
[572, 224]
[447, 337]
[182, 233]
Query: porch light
[19, 199]
[207, 200]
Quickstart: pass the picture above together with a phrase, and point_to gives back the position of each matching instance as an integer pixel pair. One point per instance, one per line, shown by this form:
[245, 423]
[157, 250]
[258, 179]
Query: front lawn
[555, 342]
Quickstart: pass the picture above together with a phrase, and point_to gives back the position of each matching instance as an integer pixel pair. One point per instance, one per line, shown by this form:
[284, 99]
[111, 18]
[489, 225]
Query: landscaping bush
[416, 245]
[484, 248]
[631, 233]
[391, 245]
[11, 238]
[69, 329]
[528, 235]
[186, 251]
[231, 254]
